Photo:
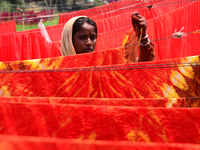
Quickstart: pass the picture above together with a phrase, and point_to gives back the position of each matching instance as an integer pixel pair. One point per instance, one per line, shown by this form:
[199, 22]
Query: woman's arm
[146, 50]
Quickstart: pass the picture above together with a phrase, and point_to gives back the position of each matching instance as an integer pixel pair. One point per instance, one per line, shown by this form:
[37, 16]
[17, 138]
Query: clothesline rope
[192, 97]
[126, 3]
[92, 8]
[179, 34]
[16, 5]
[91, 12]
[108, 68]
[133, 7]
[196, 31]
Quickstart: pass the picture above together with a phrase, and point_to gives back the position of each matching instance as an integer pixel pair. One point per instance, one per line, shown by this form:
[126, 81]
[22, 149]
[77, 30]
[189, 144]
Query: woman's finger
[139, 16]
[135, 13]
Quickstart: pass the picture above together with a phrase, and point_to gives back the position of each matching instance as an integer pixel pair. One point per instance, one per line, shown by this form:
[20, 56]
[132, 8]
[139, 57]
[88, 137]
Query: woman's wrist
[144, 37]
[144, 34]
[145, 42]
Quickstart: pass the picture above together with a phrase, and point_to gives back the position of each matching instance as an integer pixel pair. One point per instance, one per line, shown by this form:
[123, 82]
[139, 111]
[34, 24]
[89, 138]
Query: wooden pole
[23, 21]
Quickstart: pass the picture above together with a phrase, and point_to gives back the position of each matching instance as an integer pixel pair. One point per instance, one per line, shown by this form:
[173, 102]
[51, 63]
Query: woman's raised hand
[140, 22]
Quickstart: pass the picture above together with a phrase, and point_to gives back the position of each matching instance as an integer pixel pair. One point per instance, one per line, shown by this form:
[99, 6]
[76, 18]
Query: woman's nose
[89, 41]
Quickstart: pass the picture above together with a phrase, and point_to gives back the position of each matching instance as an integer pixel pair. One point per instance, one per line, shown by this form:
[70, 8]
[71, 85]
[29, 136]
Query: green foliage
[5, 5]
[9, 5]
[97, 3]
[18, 2]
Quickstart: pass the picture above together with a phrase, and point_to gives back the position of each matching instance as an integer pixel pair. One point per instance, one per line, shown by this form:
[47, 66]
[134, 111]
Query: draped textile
[112, 29]
[26, 46]
[96, 11]
[136, 102]
[136, 124]
[99, 122]
[6, 27]
[95, 100]
[159, 28]
[132, 49]
[40, 143]
[107, 57]
[159, 79]
[29, 45]
[159, 8]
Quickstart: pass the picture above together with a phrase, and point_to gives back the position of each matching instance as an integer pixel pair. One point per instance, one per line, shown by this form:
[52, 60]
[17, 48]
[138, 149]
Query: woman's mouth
[88, 50]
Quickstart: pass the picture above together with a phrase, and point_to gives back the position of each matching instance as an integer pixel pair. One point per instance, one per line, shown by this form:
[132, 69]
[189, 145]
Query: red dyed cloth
[136, 102]
[6, 27]
[170, 78]
[112, 29]
[137, 124]
[40, 143]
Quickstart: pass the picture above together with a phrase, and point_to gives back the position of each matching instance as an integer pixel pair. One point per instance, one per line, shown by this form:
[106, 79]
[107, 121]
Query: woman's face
[84, 40]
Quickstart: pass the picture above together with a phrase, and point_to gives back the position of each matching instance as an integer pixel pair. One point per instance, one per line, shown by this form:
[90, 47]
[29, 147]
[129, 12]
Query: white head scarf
[67, 47]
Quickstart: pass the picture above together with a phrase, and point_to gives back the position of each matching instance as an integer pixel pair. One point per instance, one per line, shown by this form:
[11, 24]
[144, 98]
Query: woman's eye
[82, 37]
[93, 37]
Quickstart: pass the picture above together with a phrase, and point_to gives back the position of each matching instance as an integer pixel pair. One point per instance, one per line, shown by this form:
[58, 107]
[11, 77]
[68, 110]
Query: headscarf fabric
[67, 47]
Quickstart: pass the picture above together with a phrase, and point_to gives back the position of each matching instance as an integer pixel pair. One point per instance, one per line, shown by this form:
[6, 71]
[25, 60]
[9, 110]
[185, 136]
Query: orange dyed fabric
[107, 57]
[135, 102]
[136, 124]
[176, 79]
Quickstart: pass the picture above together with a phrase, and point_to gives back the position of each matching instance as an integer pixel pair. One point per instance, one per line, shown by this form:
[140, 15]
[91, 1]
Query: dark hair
[80, 21]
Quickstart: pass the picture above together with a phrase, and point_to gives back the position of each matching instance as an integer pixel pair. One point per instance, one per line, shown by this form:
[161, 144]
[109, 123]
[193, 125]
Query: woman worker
[80, 33]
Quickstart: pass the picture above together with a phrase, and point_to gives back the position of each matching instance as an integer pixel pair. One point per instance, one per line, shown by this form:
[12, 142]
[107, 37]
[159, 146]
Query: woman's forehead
[87, 28]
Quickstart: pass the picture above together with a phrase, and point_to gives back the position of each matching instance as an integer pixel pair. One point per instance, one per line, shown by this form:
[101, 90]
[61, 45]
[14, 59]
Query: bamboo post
[9, 14]
[5, 4]
[23, 24]
[48, 15]
[23, 17]
[54, 19]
